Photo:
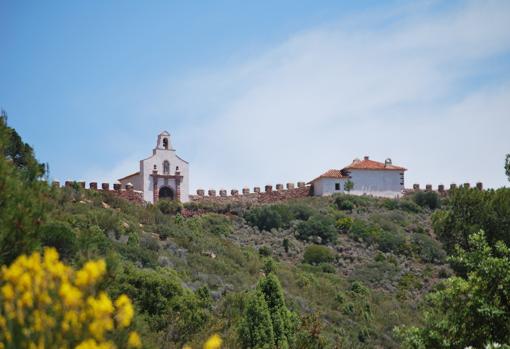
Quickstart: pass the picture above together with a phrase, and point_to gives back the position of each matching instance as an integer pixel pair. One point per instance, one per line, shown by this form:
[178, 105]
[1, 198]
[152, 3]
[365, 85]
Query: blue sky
[264, 92]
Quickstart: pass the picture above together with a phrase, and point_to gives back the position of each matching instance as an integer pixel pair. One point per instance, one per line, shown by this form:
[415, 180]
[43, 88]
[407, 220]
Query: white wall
[160, 155]
[378, 183]
[326, 186]
[135, 180]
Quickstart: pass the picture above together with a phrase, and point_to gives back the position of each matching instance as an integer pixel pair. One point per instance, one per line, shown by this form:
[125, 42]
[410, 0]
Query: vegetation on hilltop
[341, 271]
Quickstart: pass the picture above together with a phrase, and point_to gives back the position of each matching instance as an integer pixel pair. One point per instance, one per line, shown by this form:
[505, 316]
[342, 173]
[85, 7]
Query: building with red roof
[368, 177]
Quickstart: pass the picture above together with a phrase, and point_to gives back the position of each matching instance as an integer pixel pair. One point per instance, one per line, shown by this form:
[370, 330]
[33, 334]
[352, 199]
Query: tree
[22, 196]
[256, 329]
[470, 311]
[471, 210]
[348, 186]
[283, 320]
[507, 166]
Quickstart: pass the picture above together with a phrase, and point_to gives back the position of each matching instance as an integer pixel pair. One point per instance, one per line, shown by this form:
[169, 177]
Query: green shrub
[344, 224]
[428, 199]
[327, 268]
[321, 226]
[286, 245]
[61, 236]
[343, 203]
[217, 224]
[316, 254]
[359, 288]
[301, 211]
[363, 231]
[409, 206]
[268, 217]
[171, 207]
[428, 249]
[392, 242]
[390, 204]
[265, 251]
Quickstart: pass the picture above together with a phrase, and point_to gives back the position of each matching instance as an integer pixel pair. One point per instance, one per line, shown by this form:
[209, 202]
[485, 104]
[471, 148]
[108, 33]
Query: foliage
[316, 254]
[309, 335]
[45, 303]
[343, 203]
[469, 311]
[344, 224]
[216, 224]
[267, 217]
[22, 196]
[319, 225]
[471, 210]
[61, 236]
[348, 185]
[428, 199]
[283, 321]
[171, 207]
[265, 251]
[256, 329]
[428, 249]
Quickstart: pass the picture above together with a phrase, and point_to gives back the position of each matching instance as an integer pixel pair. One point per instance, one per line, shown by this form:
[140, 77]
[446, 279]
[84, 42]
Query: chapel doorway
[166, 193]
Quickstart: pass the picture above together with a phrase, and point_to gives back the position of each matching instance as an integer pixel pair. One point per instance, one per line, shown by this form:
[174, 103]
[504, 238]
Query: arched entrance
[166, 193]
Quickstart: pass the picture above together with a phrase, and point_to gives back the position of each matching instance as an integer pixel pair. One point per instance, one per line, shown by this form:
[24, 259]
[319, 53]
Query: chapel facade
[163, 175]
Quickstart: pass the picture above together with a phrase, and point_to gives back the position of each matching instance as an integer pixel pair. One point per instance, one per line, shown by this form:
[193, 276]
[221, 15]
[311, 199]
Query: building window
[337, 186]
[166, 167]
[165, 143]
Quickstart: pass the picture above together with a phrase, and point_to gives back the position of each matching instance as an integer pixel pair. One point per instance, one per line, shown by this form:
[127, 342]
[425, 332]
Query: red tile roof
[367, 164]
[330, 174]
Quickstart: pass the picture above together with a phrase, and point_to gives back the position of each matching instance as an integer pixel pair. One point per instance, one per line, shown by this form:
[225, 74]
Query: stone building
[162, 175]
[368, 177]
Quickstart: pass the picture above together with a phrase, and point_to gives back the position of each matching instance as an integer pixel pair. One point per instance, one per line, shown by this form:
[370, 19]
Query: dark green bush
[170, 207]
[343, 203]
[216, 224]
[267, 217]
[409, 206]
[265, 251]
[316, 254]
[61, 236]
[428, 249]
[392, 242]
[327, 268]
[390, 204]
[301, 211]
[321, 226]
[428, 199]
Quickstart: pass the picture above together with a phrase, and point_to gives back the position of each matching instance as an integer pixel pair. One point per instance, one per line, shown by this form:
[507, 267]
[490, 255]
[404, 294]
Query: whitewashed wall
[326, 186]
[159, 156]
[379, 183]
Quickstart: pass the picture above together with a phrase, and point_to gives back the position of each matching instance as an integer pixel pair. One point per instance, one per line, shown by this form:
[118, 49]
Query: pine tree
[256, 329]
[284, 321]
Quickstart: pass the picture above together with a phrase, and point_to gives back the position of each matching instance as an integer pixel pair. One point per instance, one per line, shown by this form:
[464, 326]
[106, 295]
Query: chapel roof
[367, 164]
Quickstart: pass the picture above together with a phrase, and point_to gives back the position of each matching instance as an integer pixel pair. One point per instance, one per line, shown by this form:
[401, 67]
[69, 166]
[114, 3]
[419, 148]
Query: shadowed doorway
[166, 193]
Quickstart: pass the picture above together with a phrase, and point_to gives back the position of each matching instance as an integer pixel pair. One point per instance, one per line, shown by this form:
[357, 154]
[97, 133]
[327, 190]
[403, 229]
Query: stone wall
[127, 193]
[441, 189]
[269, 195]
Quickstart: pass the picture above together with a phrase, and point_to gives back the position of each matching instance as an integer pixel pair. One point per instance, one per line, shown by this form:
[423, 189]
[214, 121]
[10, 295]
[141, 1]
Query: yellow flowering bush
[47, 304]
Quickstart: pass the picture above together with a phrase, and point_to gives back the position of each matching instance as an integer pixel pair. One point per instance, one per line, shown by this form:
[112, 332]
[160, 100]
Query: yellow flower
[91, 272]
[214, 342]
[125, 310]
[134, 340]
[70, 295]
[8, 292]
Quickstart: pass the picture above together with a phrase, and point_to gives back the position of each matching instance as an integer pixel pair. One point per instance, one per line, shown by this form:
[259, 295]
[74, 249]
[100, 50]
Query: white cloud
[330, 94]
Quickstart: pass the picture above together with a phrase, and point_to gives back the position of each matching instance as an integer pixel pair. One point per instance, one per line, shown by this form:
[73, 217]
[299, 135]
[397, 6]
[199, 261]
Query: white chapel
[164, 175]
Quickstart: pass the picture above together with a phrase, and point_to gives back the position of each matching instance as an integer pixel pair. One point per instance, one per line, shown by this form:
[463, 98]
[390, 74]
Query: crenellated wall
[270, 194]
[127, 192]
[441, 189]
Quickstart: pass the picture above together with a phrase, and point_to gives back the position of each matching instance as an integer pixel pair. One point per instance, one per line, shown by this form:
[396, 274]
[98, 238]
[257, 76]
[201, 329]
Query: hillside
[384, 260]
